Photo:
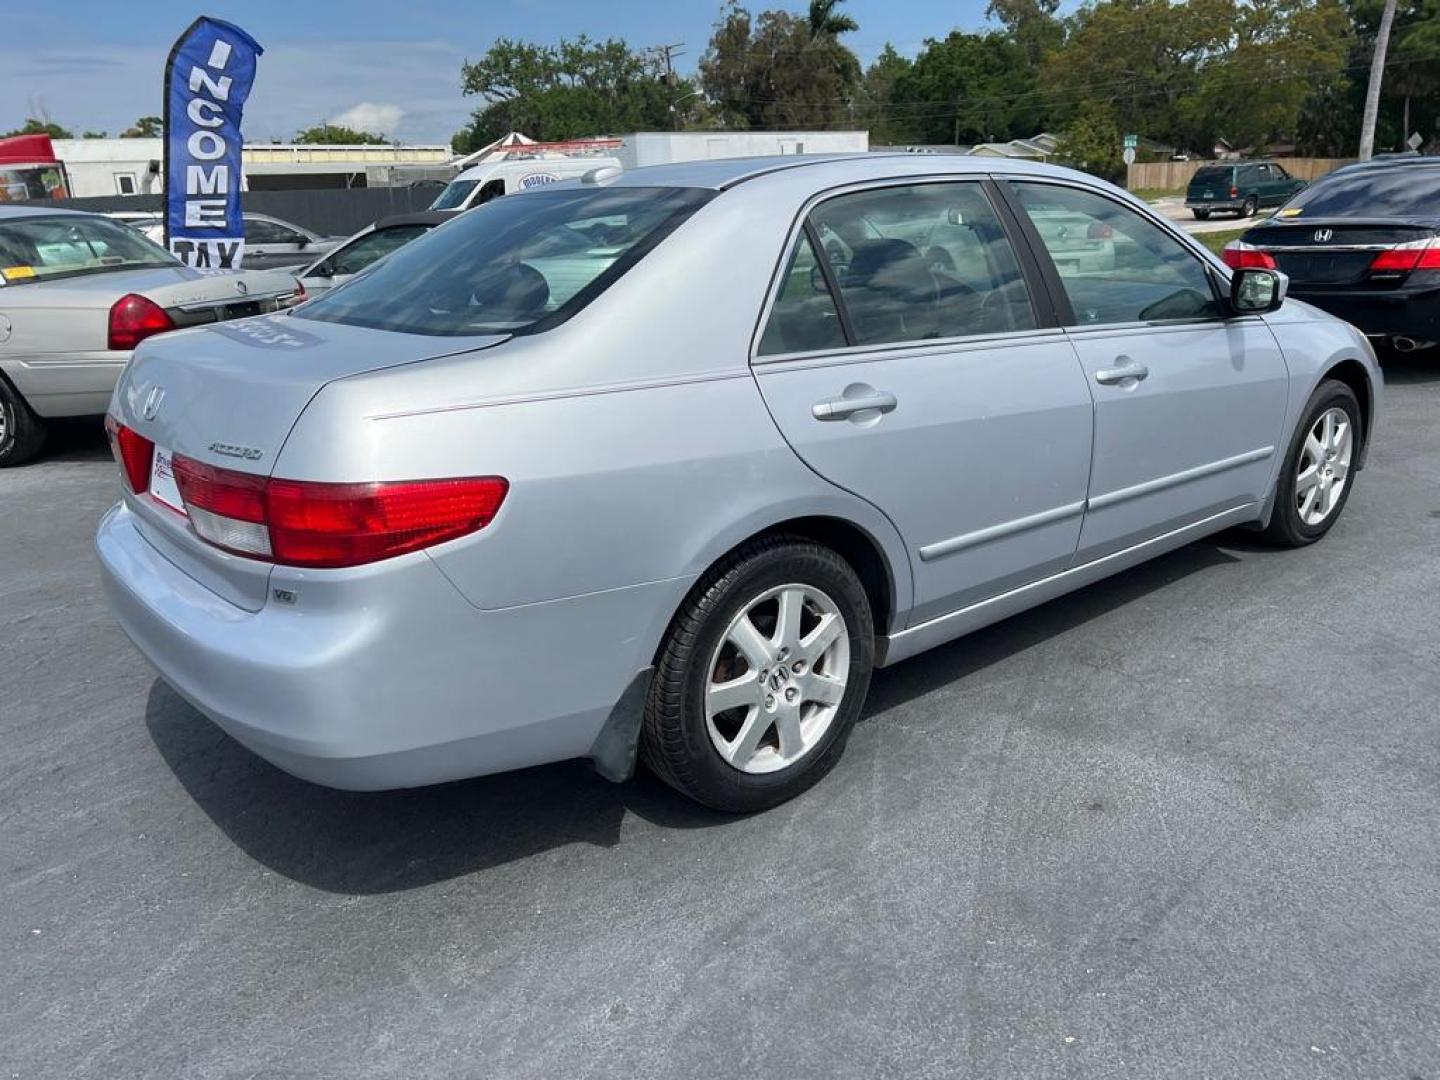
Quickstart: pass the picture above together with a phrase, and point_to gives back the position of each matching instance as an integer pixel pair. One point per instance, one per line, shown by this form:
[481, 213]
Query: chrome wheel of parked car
[1324, 466]
[761, 677]
[777, 678]
[1250, 206]
[1314, 483]
[22, 433]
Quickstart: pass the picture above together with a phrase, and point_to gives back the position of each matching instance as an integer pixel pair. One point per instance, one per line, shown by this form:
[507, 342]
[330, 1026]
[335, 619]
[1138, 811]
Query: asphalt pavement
[1185, 823]
[1173, 207]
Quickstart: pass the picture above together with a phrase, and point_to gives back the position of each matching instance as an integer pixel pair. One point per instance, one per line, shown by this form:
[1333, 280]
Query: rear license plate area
[163, 488]
[241, 311]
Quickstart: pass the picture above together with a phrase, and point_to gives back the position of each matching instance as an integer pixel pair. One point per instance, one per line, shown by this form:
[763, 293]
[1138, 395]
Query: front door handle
[847, 405]
[1111, 376]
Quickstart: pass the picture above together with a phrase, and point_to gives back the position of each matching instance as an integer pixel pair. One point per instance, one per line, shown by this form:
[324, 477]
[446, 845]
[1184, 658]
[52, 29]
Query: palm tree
[824, 20]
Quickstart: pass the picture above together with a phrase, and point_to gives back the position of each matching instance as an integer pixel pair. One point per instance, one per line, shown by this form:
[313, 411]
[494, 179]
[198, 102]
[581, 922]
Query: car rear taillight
[324, 525]
[1403, 258]
[1239, 255]
[133, 318]
[1098, 230]
[1234, 193]
[133, 453]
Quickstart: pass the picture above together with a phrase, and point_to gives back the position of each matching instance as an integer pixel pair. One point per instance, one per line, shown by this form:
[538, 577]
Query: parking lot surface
[1181, 824]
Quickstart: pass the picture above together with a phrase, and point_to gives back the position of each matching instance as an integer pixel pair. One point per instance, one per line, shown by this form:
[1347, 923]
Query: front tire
[761, 677]
[22, 433]
[1318, 472]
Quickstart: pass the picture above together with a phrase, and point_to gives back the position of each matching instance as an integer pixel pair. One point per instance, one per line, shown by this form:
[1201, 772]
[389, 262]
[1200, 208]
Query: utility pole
[1377, 75]
[667, 54]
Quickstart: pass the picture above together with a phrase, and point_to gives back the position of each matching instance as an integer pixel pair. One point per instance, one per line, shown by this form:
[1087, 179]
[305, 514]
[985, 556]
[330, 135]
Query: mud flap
[614, 750]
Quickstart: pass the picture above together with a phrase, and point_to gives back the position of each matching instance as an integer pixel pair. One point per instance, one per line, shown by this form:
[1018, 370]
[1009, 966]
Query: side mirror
[1254, 291]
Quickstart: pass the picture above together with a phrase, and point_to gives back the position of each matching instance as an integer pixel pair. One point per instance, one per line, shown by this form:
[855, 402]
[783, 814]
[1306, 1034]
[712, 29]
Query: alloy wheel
[1324, 466]
[776, 680]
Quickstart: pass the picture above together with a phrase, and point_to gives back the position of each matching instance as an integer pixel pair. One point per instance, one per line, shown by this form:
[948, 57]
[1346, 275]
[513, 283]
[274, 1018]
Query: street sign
[1129, 155]
[1415, 141]
[1132, 141]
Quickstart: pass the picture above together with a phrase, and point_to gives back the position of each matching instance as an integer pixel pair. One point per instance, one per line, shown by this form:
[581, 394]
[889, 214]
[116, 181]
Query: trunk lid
[228, 395]
[194, 297]
[1333, 253]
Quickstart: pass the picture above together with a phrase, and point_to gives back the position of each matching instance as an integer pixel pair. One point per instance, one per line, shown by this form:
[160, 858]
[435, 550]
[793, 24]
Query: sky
[380, 65]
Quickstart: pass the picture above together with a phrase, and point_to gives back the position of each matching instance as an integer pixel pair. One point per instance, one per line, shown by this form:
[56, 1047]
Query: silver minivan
[664, 464]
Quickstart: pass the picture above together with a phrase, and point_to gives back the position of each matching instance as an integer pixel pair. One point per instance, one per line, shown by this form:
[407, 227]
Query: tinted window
[1386, 191]
[923, 261]
[1116, 266]
[804, 318]
[259, 231]
[514, 265]
[32, 249]
[1213, 174]
[357, 256]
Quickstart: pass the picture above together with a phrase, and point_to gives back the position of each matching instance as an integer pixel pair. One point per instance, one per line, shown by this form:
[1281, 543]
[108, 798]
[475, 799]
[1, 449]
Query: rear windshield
[1408, 191]
[1210, 173]
[515, 265]
[41, 248]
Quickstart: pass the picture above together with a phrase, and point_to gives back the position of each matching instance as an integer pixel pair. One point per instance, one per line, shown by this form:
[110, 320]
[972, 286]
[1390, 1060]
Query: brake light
[133, 453]
[1239, 255]
[133, 318]
[1098, 230]
[1234, 193]
[325, 525]
[1401, 259]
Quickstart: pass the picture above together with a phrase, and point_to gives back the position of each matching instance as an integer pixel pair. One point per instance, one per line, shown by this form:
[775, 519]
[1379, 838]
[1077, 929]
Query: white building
[132, 166]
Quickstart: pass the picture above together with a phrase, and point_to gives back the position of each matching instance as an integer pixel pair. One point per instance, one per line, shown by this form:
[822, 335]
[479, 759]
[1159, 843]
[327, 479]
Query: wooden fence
[1174, 175]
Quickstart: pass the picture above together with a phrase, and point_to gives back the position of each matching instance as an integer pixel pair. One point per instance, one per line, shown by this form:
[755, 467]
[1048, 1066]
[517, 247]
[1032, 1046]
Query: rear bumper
[1408, 314]
[387, 678]
[1214, 204]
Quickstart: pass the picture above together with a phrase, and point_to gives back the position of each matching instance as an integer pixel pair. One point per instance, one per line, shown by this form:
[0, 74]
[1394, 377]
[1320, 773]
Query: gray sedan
[77, 293]
[665, 463]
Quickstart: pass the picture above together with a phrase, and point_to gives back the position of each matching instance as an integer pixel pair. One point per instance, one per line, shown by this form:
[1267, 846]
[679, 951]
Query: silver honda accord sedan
[662, 464]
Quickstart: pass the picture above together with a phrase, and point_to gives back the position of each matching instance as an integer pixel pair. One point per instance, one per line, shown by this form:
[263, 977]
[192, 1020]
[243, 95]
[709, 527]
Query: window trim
[1217, 274]
[120, 187]
[1041, 301]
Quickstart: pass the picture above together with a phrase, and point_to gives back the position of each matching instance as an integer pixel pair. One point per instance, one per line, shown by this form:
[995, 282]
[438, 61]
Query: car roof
[722, 173]
[21, 210]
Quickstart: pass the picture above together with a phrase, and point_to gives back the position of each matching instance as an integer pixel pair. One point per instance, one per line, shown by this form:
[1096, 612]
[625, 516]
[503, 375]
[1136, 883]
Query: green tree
[878, 108]
[40, 127]
[773, 70]
[1031, 23]
[1092, 142]
[970, 88]
[576, 88]
[147, 127]
[337, 135]
[826, 21]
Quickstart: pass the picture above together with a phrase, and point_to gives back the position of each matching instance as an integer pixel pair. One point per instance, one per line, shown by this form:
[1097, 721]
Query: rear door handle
[1111, 376]
[841, 408]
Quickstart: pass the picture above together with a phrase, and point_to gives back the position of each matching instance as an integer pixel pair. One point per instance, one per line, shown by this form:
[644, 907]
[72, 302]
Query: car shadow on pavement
[1411, 368]
[974, 652]
[361, 843]
[78, 439]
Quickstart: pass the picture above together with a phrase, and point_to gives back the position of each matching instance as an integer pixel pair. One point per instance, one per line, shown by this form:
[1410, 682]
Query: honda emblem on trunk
[152, 402]
[1323, 236]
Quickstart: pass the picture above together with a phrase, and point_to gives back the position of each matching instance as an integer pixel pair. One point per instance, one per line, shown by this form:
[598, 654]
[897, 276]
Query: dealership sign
[207, 79]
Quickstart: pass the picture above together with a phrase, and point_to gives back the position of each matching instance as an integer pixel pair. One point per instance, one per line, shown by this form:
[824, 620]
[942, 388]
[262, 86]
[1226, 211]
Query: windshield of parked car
[1403, 191]
[515, 265]
[454, 195]
[41, 248]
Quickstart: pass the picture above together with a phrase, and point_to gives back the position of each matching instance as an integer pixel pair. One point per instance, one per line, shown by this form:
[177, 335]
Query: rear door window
[1131, 270]
[804, 318]
[922, 261]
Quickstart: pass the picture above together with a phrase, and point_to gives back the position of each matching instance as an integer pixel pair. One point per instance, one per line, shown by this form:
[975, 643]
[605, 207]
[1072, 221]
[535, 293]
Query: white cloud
[381, 119]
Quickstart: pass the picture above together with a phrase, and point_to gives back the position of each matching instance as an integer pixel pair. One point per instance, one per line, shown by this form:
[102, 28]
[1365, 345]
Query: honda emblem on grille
[152, 402]
[242, 288]
[1322, 236]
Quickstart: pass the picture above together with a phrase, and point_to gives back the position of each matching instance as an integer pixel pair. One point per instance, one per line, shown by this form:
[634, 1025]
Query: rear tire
[750, 706]
[1201, 215]
[1319, 468]
[1249, 207]
[22, 433]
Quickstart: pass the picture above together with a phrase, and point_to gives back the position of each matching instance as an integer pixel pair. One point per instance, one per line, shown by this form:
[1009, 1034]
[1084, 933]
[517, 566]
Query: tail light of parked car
[1234, 192]
[327, 525]
[133, 318]
[1403, 258]
[1239, 255]
[133, 453]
